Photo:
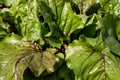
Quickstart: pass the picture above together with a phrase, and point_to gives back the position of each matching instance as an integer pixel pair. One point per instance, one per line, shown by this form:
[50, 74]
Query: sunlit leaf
[27, 18]
[59, 15]
[91, 60]
[59, 39]
[112, 7]
[6, 2]
[19, 55]
[69, 20]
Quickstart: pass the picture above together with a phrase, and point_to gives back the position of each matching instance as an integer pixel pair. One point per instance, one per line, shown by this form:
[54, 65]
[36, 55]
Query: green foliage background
[59, 39]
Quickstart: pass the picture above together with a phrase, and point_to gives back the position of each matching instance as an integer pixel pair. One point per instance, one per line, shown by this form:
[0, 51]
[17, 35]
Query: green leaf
[111, 31]
[2, 33]
[109, 25]
[118, 29]
[89, 31]
[91, 60]
[8, 58]
[6, 2]
[69, 20]
[7, 21]
[85, 5]
[113, 44]
[49, 17]
[70, 33]
[53, 42]
[59, 15]
[47, 63]
[13, 39]
[92, 26]
[16, 55]
[110, 6]
[26, 13]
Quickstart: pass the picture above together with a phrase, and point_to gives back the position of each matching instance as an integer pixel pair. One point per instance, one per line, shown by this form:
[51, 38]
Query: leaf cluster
[59, 39]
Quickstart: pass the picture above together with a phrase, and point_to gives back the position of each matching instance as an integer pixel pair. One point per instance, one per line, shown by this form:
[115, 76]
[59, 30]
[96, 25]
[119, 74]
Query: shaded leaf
[84, 5]
[110, 33]
[7, 21]
[49, 17]
[113, 44]
[2, 33]
[53, 42]
[118, 29]
[62, 73]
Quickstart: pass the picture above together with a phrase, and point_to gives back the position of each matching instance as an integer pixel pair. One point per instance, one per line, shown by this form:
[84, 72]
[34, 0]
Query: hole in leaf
[28, 74]
[47, 26]
[75, 35]
[89, 30]
[75, 8]
[94, 8]
[41, 18]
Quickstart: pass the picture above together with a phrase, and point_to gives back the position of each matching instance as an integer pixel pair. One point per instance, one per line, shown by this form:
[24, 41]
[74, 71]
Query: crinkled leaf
[13, 39]
[112, 7]
[59, 15]
[26, 13]
[91, 60]
[16, 55]
[8, 58]
[51, 12]
[7, 21]
[47, 62]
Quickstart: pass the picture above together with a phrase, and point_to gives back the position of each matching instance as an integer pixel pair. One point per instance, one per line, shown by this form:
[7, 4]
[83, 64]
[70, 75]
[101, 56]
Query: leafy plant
[59, 39]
